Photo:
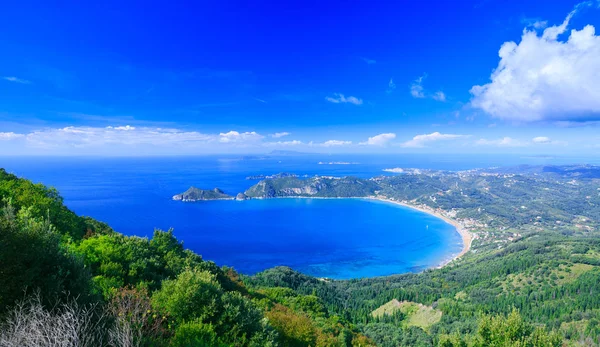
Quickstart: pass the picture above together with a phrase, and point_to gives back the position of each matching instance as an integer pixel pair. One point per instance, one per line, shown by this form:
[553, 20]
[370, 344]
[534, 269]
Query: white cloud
[439, 96]
[9, 136]
[281, 134]
[541, 139]
[340, 98]
[418, 91]
[416, 88]
[234, 136]
[379, 140]
[98, 137]
[120, 140]
[391, 86]
[284, 143]
[503, 142]
[424, 139]
[545, 79]
[124, 128]
[330, 143]
[16, 80]
[535, 23]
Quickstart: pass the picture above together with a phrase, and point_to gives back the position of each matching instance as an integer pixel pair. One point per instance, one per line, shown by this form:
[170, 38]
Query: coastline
[466, 236]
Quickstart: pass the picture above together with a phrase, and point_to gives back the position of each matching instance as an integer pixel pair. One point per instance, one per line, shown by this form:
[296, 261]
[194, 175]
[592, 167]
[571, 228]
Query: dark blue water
[337, 238]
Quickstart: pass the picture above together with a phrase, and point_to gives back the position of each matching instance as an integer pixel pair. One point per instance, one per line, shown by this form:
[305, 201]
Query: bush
[192, 295]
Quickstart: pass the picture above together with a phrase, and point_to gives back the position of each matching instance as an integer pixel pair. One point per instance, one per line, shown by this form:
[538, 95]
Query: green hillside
[74, 278]
[528, 281]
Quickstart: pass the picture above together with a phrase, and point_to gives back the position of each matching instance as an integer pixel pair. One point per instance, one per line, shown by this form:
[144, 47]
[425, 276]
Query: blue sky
[480, 76]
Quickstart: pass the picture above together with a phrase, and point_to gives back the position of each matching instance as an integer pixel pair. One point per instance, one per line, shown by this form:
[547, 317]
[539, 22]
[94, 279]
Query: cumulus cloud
[502, 142]
[234, 136]
[16, 80]
[425, 139]
[341, 99]
[281, 134]
[9, 136]
[543, 78]
[379, 140]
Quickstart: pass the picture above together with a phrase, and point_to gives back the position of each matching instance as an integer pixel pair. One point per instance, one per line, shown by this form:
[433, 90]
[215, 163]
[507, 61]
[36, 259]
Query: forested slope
[539, 289]
[132, 291]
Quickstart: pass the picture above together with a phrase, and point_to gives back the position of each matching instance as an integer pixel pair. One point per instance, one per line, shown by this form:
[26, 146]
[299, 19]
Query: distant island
[196, 194]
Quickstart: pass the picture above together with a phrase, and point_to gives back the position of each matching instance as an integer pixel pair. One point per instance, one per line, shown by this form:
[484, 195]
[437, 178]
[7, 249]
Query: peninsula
[490, 208]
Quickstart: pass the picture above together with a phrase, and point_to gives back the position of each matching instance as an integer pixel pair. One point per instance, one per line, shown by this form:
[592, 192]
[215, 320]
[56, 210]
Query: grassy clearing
[571, 273]
[416, 314]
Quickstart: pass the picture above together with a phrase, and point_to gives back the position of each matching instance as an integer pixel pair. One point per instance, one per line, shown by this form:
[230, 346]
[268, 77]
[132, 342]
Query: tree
[504, 331]
[196, 334]
[193, 295]
[32, 259]
[239, 319]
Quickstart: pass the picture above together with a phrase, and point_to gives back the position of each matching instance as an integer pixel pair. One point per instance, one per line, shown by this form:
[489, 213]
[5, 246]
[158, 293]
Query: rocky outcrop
[242, 196]
[196, 194]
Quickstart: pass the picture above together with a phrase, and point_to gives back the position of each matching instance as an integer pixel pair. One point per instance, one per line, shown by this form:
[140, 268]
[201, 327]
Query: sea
[331, 238]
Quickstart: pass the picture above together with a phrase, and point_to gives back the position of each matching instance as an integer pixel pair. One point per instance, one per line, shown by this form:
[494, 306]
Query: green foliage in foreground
[75, 279]
[33, 259]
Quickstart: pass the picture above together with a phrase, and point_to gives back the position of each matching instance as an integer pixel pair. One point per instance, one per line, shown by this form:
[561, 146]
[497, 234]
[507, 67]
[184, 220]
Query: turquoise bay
[335, 238]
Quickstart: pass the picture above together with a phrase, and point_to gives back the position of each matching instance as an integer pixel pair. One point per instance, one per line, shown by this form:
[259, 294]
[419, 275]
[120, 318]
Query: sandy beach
[466, 236]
